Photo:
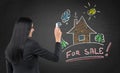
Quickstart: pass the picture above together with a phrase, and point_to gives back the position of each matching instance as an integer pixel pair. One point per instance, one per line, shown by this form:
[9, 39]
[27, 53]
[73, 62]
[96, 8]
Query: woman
[22, 52]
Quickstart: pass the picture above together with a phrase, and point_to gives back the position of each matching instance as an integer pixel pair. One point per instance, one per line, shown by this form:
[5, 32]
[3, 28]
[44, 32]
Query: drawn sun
[91, 11]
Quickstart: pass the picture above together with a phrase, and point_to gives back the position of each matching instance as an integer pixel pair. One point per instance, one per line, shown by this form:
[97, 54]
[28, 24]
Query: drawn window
[81, 37]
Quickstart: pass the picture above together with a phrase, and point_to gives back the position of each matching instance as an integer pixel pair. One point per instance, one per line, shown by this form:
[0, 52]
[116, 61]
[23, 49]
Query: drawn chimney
[76, 19]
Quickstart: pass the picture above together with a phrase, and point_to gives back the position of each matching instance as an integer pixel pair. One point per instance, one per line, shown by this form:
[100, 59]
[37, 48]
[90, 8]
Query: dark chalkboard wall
[45, 13]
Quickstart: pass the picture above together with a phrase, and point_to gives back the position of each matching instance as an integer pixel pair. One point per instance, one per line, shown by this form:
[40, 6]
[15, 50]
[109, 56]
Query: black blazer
[29, 63]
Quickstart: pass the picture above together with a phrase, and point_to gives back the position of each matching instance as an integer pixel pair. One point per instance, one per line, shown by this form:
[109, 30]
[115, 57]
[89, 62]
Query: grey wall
[45, 13]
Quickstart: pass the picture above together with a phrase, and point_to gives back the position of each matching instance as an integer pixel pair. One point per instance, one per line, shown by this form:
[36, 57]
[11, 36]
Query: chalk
[58, 24]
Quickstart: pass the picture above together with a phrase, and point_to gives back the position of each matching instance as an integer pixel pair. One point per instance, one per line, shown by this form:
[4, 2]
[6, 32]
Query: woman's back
[29, 63]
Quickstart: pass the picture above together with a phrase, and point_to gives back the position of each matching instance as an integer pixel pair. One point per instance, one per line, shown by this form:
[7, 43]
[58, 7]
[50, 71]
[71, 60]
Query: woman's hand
[58, 34]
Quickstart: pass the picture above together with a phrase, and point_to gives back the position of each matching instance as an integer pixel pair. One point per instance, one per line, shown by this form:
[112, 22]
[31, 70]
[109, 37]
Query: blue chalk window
[81, 37]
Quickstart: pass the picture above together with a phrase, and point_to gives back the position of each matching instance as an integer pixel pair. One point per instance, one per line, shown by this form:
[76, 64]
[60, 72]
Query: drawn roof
[80, 27]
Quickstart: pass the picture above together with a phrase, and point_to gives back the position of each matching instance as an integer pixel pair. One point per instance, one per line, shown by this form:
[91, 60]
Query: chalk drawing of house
[81, 31]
